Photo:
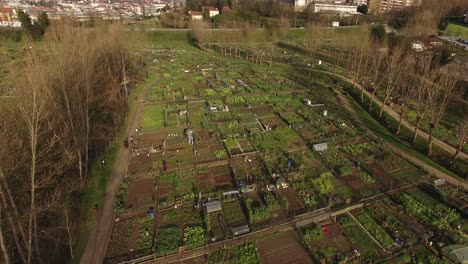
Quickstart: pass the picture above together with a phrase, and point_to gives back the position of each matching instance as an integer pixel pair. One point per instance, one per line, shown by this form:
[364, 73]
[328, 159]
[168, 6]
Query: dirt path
[405, 123]
[95, 250]
[346, 104]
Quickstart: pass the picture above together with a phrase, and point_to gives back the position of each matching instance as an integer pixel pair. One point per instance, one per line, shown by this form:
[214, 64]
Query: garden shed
[320, 147]
[213, 206]
[240, 230]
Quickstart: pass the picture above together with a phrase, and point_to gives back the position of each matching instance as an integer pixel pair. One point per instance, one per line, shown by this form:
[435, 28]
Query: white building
[212, 11]
[196, 15]
[337, 8]
[417, 46]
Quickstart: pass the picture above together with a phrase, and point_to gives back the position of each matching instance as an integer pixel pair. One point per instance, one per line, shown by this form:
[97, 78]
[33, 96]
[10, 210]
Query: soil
[140, 194]
[273, 122]
[284, 248]
[122, 240]
[295, 202]
[335, 239]
[383, 177]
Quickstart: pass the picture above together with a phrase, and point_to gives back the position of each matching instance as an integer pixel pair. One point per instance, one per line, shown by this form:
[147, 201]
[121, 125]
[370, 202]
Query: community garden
[226, 147]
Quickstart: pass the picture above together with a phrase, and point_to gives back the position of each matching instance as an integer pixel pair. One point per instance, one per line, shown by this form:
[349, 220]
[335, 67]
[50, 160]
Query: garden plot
[238, 146]
[197, 116]
[140, 165]
[257, 212]
[183, 181]
[217, 227]
[210, 151]
[292, 119]
[155, 139]
[401, 170]
[131, 235]
[191, 216]
[214, 178]
[234, 214]
[367, 220]
[361, 183]
[327, 242]
[140, 194]
[176, 115]
[275, 204]
[250, 125]
[247, 169]
[359, 238]
[294, 203]
[385, 179]
[435, 215]
[391, 222]
[271, 123]
[310, 133]
[245, 253]
[153, 117]
[282, 248]
[262, 111]
[168, 240]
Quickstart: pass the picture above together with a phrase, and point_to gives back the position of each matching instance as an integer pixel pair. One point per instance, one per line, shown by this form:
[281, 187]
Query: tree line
[69, 103]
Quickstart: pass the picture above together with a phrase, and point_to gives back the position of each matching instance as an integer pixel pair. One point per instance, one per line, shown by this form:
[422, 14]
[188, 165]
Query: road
[96, 248]
[450, 149]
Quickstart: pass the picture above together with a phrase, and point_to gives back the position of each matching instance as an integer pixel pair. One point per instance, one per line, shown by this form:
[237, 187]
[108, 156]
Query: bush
[313, 233]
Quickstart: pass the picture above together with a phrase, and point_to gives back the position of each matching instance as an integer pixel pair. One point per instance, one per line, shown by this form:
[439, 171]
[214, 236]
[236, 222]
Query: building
[213, 206]
[8, 18]
[210, 10]
[153, 9]
[196, 15]
[334, 8]
[382, 6]
[417, 46]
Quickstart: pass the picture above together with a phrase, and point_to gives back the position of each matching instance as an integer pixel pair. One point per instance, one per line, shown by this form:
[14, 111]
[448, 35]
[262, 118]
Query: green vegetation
[256, 210]
[153, 117]
[458, 31]
[312, 233]
[242, 254]
[374, 229]
[194, 237]
[167, 240]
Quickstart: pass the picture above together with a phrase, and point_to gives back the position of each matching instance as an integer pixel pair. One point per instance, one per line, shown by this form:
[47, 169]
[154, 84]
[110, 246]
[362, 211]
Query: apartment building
[382, 6]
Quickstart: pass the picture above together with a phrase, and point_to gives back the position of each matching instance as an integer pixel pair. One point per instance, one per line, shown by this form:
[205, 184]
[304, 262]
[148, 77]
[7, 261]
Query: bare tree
[462, 135]
[376, 65]
[395, 69]
[439, 95]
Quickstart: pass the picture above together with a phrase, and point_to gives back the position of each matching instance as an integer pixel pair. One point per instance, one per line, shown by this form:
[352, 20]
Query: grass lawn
[153, 117]
[457, 31]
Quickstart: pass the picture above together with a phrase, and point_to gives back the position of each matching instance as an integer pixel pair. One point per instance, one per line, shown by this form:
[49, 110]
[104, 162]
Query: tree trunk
[32, 201]
[372, 101]
[429, 145]
[70, 241]
[416, 128]
[2, 242]
[400, 121]
[383, 106]
[362, 92]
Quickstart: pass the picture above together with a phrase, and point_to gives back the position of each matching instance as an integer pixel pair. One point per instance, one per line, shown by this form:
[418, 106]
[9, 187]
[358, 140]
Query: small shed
[236, 231]
[320, 147]
[213, 206]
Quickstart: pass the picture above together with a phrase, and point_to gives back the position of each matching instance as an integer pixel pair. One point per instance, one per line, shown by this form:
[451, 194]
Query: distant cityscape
[134, 10]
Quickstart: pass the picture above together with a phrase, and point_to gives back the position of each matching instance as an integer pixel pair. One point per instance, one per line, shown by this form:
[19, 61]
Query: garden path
[434, 171]
[404, 122]
[95, 250]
